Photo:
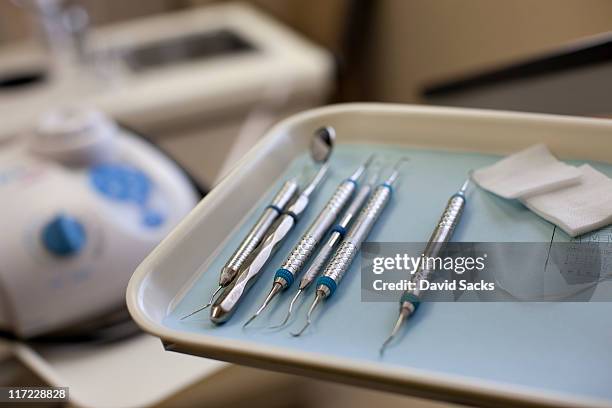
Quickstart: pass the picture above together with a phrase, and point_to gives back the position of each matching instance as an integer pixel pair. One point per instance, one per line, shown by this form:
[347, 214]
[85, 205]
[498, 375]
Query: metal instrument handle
[369, 215]
[231, 296]
[341, 261]
[315, 233]
[319, 261]
[440, 236]
[335, 238]
[255, 236]
[358, 233]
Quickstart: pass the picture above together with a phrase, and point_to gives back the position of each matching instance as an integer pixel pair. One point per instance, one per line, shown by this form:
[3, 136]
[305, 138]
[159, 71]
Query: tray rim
[407, 380]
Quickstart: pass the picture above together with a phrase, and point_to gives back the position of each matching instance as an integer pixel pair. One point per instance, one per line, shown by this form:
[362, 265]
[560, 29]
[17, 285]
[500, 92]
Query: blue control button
[64, 236]
[121, 182]
[152, 218]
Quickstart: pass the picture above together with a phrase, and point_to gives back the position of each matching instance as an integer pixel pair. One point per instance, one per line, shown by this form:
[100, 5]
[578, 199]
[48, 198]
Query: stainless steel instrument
[254, 237]
[226, 304]
[338, 232]
[441, 235]
[348, 249]
[307, 245]
[321, 147]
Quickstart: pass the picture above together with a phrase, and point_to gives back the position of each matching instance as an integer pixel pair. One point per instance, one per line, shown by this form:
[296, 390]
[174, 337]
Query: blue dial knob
[64, 236]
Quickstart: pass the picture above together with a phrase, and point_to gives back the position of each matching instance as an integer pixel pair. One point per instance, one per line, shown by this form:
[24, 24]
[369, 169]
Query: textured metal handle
[300, 254]
[250, 273]
[440, 236]
[368, 216]
[341, 261]
[446, 225]
[453, 211]
[317, 264]
[307, 245]
[258, 231]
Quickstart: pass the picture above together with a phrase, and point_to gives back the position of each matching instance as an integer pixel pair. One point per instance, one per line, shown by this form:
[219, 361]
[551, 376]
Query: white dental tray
[519, 354]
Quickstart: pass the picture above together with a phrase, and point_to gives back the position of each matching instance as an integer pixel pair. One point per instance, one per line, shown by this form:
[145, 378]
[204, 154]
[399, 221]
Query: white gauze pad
[579, 208]
[530, 171]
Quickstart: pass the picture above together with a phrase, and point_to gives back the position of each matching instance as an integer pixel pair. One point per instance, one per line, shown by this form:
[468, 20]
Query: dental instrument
[226, 304]
[254, 237]
[320, 149]
[307, 245]
[338, 232]
[441, 235]
[348, 249]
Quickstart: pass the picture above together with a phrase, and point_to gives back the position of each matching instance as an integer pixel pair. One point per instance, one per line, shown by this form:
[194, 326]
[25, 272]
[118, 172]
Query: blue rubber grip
[292, 215]
[340, 230]
[328, 282]
[410, 298]
[354, 183]
[459, 194]
[275, 208]
[286, 275]
[389, 186]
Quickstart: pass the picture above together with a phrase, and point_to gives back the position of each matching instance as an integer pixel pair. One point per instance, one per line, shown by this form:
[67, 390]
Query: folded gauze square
[579, 208]
[530, 171]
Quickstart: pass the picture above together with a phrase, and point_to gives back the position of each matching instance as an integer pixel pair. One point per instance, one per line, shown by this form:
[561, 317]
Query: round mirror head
[322, 144]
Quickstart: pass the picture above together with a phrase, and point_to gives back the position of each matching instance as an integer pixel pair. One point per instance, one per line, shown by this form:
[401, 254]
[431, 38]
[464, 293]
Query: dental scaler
[307, 245]
[255, 236]
[226, 304]
[338, 232]
[441, 235]
[348, 249]
[321, 147]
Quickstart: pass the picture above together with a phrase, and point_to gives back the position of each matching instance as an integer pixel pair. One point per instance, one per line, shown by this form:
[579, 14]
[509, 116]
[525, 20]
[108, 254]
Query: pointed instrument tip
[289, 312]
[196, 311]
[381, 351]
[370, 160]
[249, 321]
[276, 288]
[316, 301]
[403, 315]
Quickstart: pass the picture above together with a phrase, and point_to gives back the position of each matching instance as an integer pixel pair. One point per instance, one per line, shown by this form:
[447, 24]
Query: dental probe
[307, 245]
[441, 235]
[348, 249]
[225, 305]
[338, 232]
[321, 148]
[253, 238]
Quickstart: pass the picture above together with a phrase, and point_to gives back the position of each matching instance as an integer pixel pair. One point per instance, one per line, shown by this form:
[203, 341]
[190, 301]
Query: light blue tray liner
[559, 346]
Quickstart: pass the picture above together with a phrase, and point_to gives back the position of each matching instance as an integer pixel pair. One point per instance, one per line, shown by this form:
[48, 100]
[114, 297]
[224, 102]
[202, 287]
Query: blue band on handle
[292, 215]
[412, 299]
[327, 282]
[286, 275]
[275, 208]
[389, 186]
[354, 182]
[458, 194]
[339, 229]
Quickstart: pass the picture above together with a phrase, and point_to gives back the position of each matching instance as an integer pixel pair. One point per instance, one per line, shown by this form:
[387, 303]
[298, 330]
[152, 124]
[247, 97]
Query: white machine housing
[83, 202]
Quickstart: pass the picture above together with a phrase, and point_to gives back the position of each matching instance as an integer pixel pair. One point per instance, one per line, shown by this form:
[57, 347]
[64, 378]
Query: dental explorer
[348, 249]
[307, 245]
[441, 235]
[320, 149]
[338, 232]
[252, 239]
[226, 304]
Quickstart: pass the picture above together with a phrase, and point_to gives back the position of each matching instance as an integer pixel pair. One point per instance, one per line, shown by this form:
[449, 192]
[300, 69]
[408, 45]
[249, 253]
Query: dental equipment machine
[309, 242]
[226, 304]
[348, 249]
[441, 235]
[338, 232]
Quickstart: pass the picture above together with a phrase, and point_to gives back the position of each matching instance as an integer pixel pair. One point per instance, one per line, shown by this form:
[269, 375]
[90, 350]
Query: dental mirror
[322, 144]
